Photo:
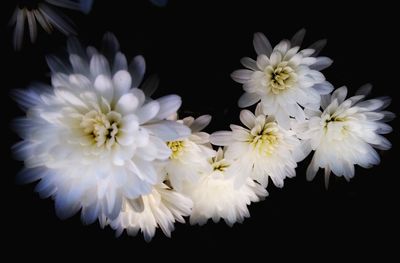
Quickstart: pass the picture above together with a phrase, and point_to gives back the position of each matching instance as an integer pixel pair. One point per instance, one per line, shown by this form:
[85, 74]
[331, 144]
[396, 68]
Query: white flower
[46, 16]
[92, 138]
[159, 208]
[346, 133]
[283, 78]
[215, 196]
[189, 155]
[263, 149]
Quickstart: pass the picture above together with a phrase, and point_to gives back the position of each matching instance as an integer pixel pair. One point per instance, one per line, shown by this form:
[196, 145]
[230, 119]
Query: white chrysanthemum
[93, 136]
[189, 155]
[263, 149]
[45, 15]
[283, 78]
[215, 195]
[162, 207]
[346, 133]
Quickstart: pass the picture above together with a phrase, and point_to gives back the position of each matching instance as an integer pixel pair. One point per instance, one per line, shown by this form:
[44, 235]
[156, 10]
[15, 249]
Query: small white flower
[160, 208]
[346, 133]
[189, 155]
[283, 78]
[215, 196]
[263, 149]
[46, 16]
[92, 138]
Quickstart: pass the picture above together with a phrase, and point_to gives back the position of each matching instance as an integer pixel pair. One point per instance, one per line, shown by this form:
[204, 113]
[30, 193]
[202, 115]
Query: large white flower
[346, 133]
[260, 151]
[283, 78]
[160, 208]
[92, 138]
[45, 15]
[215, 196]
[189, 155]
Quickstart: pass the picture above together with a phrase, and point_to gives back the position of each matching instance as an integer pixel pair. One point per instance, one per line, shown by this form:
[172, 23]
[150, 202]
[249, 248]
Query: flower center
[265, 140]
[176, 148]
[280, 77]
[102, 128]
[220, 165]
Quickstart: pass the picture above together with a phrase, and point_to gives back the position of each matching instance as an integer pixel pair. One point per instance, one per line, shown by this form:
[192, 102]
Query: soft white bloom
[48, 17]
[215, 195]
[284, 78]
[346, 133]
[189, 155]
[260, 151]
[160, 208]
[92, 137]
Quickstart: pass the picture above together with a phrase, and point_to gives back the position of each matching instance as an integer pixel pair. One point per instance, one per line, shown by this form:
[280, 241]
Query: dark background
[194, 46]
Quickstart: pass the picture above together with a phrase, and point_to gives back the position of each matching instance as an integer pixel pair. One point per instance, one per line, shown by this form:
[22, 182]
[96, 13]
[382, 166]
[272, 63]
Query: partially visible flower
[346, 133]
[160, 208]
[189, 155]
[215, 196]
[284, 78]
[260, 151]
[92, 137]
[43, 13]
[160, 3]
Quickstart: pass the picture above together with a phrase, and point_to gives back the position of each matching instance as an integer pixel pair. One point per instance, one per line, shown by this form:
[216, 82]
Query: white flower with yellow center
[346, 133]
[189, 155]
[260, 151]
[215, 196]
[284, 78]
[160, 208]
[92, 138]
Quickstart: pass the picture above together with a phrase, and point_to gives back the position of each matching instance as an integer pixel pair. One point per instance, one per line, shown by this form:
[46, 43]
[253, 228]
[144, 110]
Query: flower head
[160, 208]
[189, 155]
[215, 196]
[93, 136]
[346, 132]
[283, 78]
[260, 151]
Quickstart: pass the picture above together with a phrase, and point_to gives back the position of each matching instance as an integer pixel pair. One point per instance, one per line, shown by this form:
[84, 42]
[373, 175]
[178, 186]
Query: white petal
[297, 39]
[321, 63]
[99, 65]
[221, 138]
[261, 44]
[122, 82]
[148, 111]
[169, 105]
[247, 118]
[249, 63]
[104, 87]
[137, 69]
[200, 123]
[339, 94]
[127, 104]
[241, 75]
[248, 99]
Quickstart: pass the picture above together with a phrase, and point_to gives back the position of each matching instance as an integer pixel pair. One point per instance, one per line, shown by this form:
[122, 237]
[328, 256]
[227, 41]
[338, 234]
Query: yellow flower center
[265, 140]
[101, 128]
[220, 165]
[281, 77]
[176, 148]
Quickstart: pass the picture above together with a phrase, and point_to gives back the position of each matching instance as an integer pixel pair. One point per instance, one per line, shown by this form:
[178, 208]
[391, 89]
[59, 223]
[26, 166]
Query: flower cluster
[100, 144]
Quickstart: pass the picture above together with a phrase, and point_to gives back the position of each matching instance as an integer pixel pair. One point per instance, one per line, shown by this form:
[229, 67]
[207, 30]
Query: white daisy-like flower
[160, 208]
[44, 13]
[189, 155]
[346, 132]
[260, 151]
[284, 78]
[215, 196]
[92, 137]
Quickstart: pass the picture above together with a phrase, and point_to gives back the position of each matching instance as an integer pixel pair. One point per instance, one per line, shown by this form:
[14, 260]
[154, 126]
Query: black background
[194, 46]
